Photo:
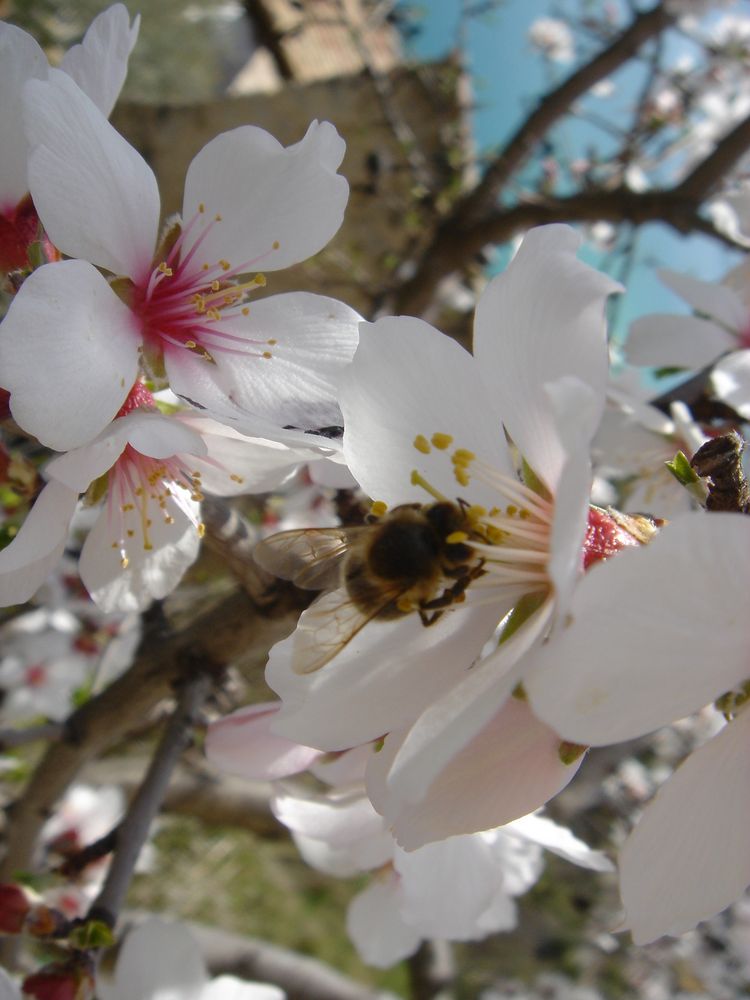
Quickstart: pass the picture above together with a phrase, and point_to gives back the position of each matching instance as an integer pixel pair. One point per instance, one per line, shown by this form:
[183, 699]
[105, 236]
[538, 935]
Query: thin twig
[134, 829]
[47, 732]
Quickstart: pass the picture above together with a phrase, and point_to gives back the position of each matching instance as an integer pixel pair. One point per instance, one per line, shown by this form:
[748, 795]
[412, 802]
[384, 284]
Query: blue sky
[508, 76]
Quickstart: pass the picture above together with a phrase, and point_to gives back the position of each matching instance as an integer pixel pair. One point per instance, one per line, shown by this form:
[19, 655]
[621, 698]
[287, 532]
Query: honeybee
[720, 462]
[401, 563]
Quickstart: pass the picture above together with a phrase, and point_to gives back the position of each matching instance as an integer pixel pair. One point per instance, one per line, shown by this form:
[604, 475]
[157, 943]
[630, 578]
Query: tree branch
[133, 831]
[235, 630]
[441, 258]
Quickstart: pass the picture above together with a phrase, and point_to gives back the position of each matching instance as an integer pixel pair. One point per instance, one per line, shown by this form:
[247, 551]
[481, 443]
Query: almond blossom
[460, 889]
[652, 636]
[98, 65]
[150, 469]
[719, 332]
[425, 420]
[174, 309]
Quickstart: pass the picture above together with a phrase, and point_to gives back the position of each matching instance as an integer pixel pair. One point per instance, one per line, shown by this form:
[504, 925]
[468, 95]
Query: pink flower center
[198, 306]
[36, 675]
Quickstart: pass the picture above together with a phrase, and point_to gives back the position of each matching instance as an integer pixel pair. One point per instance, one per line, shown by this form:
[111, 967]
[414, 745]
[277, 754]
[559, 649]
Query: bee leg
[428, 620]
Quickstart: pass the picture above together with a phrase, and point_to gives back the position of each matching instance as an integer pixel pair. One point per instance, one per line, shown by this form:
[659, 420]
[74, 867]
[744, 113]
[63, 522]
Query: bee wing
[327, 626]
[309, 557]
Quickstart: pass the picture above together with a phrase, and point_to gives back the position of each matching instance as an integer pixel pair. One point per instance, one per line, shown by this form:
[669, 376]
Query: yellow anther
[115, 545]
[169, 519]
[462, 456]
[201, 530]
[124, 562]
[475, 512]
[205, 266]
[495, 511]
[237, 479]
[201, 207]
[456, 537]
[215, 285]
[213, 314]
[191, 345]
[266, 354]
[245, 311]
[165, 269]
[511, 510]
[422, 444]
[217, 217]
[272, 341]
[442, 441]
[260, 280]
[404, 605]
[275, 245]
[224, 265]
[147, 546]
[462, 476]
[495, 535]
[130, 533]
[524, 514]
[378, 508]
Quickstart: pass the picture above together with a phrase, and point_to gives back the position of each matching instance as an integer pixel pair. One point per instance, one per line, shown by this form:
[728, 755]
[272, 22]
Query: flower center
[512, 537]
[198, 306]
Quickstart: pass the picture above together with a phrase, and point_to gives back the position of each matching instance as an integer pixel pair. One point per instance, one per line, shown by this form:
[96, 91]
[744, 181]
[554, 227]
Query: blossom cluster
[505, 604]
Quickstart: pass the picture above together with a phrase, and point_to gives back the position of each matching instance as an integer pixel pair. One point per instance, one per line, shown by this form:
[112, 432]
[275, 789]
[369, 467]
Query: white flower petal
[541, 319]
[450, 723]
[156, 956]
[67, 314]
[681, 341]
[29, 559]
[510, 769]
[230, 988]
[313, 338]
[687, 858]
[99, 64]
[711, 298]
[341, 821]
[343, 861]
[21, 59]
[383, 678]
[242, 743]
[559, 839]
[407, 379]
[267, 194]
[150, 573]
[374, 923]
[656, 633]
[730, 380]
[96, 196]
[447, 887]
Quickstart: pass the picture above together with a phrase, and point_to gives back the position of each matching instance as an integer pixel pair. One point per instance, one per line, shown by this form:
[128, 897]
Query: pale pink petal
[21, 59]
[375, 925]
[160, 436]
[78, 468]
[688, 857]
[150, 574]
[67, 314]
[451, 722]
[96, 196]
[99, 64]
[243, 744]
[541, 319]
[656, 633]
[730, 380]
[266, 194]
[332, 475]
[681, 341]
[710, 298]
[407, 379]
[382, 679]
[32, 555]
[346, 768]
[510, 769]
[447, 887]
